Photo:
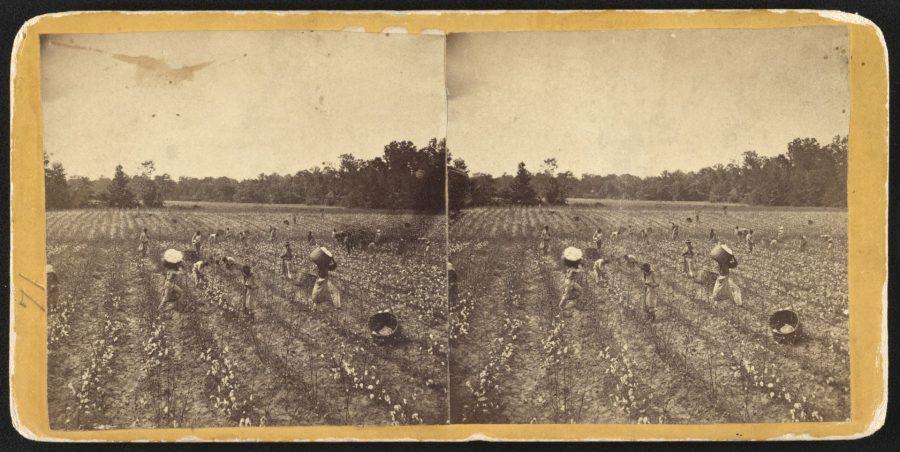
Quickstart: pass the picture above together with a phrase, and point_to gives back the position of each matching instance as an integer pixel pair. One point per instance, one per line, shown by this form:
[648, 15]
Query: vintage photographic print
[649, 226]
[245, 229]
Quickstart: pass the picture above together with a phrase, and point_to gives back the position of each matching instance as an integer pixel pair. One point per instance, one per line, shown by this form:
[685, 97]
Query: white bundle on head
[327, 253]
[572, 254]
[173, 256]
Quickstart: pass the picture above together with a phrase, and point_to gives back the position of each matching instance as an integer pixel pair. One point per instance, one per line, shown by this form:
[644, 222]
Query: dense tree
[56, 189]
[520, 190]
[119, 193]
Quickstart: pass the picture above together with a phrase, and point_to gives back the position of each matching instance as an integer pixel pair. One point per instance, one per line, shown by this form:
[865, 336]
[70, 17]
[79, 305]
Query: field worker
[52, 280]
[644, 233]
[273, 232]
[323, 289]
[725, 287]
[651, 290]
[171, 294]
[286, 257]
[212, 238]
[427, 245]
[545, 239]
[195, 240]
[145, 243]
[229, 262]
[687, 259]
[630, 260]
[614, 235]
[803, 242]
[780, 234]
[749, 239]
[452, 282]
[348, 243]
[197, 271]
[598, 239]
[674, 231]
[713, 237]
[227, 233]
[575, 282]
[697, 215]
[294, 215]
[378, 235]
[249, 282]
[309, 237]
[598, 270]
[242, 236]
[829, 240]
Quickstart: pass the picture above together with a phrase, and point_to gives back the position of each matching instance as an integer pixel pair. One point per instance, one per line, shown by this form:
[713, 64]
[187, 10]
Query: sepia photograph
[245, 229]
[649, 226]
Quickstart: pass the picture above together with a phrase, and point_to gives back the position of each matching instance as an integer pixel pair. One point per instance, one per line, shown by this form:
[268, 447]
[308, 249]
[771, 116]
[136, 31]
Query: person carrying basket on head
[173, 261]
[725, 288]
[575, 282]
[324, 289]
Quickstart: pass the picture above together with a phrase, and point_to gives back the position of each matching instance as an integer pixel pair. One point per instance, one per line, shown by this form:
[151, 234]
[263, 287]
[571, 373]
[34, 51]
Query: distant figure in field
[294, 216]
[378, 235]
[629, 260]
[674, 231]
[697, 215]
[598, 239]
[144, 246]
[713, 237]
[803, 242]
[309, 237]
[242, 236]
[248, 281]
[651, 291]
[830, 241]
[599, 271]
[749, 239]
[348, 242]
[196, 239]
[643, 233]
[198, 272]
[286, 258]
[212, 238]
[740, 232]
[227, 233]
[780, 235]
[545, 239]
[687, 259]
[725, 210]
[338, 235]
[614, 235]
[273, 233]
[229, 262]
[452, 282]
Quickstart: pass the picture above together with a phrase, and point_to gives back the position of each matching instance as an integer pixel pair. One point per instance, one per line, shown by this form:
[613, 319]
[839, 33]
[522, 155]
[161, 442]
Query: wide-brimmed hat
[173, 256]
[572, 254]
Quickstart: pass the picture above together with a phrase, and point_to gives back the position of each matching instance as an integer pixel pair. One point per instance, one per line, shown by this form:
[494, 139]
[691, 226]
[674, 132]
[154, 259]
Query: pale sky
[641, 102]
[236, 103]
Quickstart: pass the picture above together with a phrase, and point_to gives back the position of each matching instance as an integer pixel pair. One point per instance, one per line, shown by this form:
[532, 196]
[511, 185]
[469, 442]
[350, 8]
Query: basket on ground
[384, 326]
[785, 326]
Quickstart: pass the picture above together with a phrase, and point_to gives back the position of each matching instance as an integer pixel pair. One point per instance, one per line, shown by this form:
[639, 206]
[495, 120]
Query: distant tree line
[404, 177]
[809, 174]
